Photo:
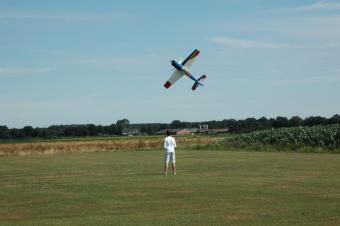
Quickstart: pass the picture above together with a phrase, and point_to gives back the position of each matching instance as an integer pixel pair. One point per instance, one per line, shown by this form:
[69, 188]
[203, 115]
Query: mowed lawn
[211, 188]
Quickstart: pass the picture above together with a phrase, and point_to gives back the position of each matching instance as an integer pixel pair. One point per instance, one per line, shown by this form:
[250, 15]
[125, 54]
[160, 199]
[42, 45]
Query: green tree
[312, 121]
[335, 119]
[92, 130]
[175, 124]
[280, 122]
[295, 121]
[122, 124]
[28, 131]
[16, 133]
[4, 132]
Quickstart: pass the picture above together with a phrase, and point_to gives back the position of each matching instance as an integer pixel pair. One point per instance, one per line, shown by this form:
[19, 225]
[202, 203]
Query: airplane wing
[173, 78]
[190, 59]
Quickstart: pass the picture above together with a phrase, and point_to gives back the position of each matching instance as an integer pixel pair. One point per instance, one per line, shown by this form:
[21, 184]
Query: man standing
[169, 146]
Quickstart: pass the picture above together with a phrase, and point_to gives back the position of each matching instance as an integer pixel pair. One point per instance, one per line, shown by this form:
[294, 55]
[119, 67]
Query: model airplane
[182, 68]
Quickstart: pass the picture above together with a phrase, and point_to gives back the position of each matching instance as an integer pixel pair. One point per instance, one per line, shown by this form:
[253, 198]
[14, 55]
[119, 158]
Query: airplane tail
[196, 84]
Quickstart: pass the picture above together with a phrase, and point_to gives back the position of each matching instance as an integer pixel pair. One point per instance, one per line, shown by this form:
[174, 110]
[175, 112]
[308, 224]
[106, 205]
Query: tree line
[235, 126]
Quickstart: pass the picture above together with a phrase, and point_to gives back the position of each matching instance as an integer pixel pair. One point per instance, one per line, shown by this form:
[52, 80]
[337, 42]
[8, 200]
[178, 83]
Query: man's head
[168, 132]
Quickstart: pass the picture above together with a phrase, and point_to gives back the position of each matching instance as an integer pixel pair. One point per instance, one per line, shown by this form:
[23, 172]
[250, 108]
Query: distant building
[185, 131]
[163, 131]
[204, 128]
[130, 132]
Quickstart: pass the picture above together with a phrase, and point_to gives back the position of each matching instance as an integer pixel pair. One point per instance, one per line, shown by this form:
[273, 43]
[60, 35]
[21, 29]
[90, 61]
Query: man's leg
[166, 162]
[174, 168]
[173, 161]
[165, 168]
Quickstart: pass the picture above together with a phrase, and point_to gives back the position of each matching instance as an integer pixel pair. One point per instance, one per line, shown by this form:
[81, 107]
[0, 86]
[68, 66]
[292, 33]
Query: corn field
[325, 136]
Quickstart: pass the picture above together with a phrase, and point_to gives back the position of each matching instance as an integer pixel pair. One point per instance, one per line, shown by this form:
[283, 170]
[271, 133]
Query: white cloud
[317, 30]
[74, 17]
[316, 80]
[133, 65]
[318, 6]
[244, 43]
[303, 31]
[17, 71]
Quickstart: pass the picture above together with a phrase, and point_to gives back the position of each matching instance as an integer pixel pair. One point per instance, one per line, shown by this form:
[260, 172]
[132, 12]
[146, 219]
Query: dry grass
[38, 148]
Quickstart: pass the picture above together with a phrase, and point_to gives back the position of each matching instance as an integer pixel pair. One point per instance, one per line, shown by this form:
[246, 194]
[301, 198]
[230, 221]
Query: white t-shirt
[169, 144]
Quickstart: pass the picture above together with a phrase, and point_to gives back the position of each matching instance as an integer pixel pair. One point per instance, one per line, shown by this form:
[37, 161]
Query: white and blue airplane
[182, 68]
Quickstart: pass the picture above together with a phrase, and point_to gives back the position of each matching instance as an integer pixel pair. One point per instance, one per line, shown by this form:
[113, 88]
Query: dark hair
[168, 132]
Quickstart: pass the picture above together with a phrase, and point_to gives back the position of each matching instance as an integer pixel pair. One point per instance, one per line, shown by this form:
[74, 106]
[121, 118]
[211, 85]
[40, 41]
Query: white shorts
[170, 156]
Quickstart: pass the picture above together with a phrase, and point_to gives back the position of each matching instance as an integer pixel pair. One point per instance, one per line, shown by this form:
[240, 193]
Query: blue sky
[82, 61]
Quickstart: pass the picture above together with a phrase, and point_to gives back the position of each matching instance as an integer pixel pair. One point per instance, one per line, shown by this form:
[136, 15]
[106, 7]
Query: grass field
[211, 188]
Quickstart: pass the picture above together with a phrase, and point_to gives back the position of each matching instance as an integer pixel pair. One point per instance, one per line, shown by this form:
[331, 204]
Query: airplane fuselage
[180, 67]
[182, 70]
